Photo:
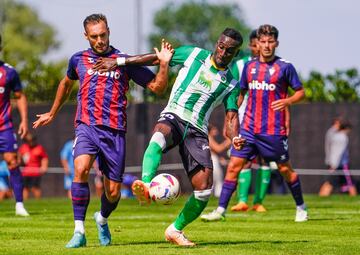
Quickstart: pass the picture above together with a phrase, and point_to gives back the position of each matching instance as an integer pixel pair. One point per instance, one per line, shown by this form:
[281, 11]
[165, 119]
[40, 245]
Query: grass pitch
[333, 228]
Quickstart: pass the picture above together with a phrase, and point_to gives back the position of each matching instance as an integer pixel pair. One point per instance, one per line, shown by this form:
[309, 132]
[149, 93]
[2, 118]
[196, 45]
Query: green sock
[263, 176]
[244, 182]
[192, 209]
[151, 161]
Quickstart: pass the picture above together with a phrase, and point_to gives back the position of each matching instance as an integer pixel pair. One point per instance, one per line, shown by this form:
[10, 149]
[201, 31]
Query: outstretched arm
[63, 92]
[159, 83]
[22, 106]
[108, 64]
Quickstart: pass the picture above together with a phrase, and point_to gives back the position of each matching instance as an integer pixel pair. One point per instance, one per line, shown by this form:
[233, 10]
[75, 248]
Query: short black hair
[268, 30]
[253, 35]
[234, 34]
[95, 18]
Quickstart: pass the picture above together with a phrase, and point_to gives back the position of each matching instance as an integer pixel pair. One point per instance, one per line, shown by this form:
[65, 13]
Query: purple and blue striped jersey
[266, 83]
[102, 95]
[9, 81]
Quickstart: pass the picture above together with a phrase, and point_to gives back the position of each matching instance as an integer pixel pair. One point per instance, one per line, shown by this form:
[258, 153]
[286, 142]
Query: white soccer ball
[164, 189]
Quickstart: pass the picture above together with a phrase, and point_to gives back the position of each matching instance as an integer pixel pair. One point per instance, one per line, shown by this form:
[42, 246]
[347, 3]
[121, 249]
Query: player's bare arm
[22, 107]
[159, 83]
[282, 103]
[62, 93]
[108, 64]
[232, 129]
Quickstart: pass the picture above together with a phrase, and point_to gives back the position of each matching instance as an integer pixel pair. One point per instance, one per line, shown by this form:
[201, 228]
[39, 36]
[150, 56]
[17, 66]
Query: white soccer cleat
[301, 215]
[21, 211]
[213, 216]
[177, 237]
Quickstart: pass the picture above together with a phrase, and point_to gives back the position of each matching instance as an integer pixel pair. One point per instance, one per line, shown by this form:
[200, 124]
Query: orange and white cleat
[240, 207]
[259, 208]
[141, 192]
[177, 237]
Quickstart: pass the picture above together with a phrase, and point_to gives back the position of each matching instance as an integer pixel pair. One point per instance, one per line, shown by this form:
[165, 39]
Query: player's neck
[266, 59]
[216, 66]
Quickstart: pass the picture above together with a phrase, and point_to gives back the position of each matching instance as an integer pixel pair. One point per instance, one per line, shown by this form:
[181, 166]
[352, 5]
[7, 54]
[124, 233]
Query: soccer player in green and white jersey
[203, 82]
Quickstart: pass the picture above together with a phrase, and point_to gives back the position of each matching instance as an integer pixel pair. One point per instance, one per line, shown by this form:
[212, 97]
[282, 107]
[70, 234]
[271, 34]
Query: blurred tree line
[27, 39]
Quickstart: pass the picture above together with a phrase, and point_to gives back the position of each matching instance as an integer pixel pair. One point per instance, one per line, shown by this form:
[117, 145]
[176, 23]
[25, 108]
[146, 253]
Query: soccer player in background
[35, 162]
[100, 122]
[263, 172]
[203, 82]
[67, 162]
[267, 79]
[10, 82]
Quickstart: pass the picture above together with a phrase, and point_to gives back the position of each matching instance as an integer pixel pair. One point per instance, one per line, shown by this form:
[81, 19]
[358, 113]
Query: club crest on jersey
[271, 70]
[253, 71]
[255, 84]
[205, 80]
[2, 90]
[111, 74]
[1, 75]
[91, 60]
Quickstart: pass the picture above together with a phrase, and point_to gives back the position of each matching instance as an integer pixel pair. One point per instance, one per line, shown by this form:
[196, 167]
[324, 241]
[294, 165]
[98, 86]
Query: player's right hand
[238, 142]
[105, 64]
[43, 119]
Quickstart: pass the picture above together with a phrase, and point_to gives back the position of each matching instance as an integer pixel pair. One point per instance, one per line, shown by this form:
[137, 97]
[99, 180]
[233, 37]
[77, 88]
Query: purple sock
[106, 206]
[227, 190]
[16, 182]
[80, 194]
[296, 192]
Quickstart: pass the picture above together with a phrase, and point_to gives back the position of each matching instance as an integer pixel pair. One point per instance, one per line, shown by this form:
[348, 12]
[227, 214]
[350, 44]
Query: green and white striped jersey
[200, 87]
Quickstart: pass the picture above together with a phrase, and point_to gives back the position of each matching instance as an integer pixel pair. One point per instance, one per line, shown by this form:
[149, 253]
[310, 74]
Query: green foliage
[333, 228]
[342, 86]
[195, 23]
[26, 39]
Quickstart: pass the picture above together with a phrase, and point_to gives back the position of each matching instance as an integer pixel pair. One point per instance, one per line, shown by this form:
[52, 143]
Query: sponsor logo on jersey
[261, 85]
[111, 74]
[205, 80]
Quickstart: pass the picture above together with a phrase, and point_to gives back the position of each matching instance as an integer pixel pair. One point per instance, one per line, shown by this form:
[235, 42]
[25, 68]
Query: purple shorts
[270, 147]
[107, 144]
[8, 141]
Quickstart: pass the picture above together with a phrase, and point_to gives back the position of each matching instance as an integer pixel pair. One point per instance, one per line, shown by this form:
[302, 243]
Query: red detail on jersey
[259, 100]
[84, 92]
[271, 112]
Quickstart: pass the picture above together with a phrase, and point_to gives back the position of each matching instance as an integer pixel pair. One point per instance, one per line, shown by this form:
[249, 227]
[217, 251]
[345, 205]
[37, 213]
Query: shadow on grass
[168, 245]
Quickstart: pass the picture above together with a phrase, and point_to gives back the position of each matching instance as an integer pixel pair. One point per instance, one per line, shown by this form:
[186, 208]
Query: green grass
[333, 228]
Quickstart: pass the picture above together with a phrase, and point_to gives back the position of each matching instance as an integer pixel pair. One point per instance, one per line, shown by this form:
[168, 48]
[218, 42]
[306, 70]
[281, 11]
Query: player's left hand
[279, 104]
[166, 52]
[23, 129]
[43, 119]
[238, 142]
[105, 64]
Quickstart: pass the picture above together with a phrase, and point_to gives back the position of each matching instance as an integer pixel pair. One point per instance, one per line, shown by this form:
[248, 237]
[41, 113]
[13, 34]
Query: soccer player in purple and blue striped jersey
[100, 122]
[267, 80]
[10, 83]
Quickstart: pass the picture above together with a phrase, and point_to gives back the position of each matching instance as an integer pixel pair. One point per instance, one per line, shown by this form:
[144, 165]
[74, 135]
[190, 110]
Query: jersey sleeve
[230, 100]
[244, 85]
[293, 78]
[180, 55]
[71, 71]
[141, 75]
[14, 81]
[43, 153]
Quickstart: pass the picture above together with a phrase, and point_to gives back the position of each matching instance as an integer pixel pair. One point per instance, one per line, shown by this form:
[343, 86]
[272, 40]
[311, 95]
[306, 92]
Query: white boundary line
[179, 166]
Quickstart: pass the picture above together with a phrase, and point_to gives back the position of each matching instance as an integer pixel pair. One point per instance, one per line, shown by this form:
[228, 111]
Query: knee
[232, 171]
[288, 173]
[113, 194]
[81, 173]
